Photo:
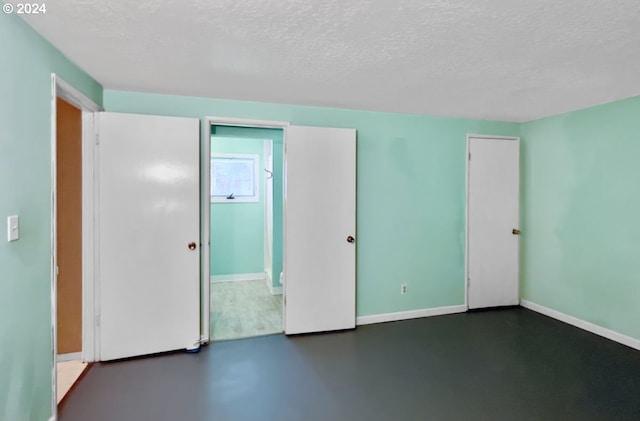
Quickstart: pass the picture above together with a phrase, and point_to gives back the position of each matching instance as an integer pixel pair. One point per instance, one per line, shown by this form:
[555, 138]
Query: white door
[492, 227]
[320, 225]
[149, 234]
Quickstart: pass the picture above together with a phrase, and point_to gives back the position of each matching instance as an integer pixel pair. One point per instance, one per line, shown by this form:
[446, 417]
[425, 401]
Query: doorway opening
[69, 364]
[318, 224]
[246, 231]
[72, 235]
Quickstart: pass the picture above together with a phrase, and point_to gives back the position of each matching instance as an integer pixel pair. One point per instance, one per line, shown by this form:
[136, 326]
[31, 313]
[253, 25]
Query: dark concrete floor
[496, 365]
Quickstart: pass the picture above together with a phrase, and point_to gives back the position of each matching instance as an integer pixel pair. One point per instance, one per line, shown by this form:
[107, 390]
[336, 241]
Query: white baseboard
[69, 357]
[275, 290]
[411, 314]
[238, 277]
[589, 327]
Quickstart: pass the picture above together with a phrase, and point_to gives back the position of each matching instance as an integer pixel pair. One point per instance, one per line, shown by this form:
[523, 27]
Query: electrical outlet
[403, 289]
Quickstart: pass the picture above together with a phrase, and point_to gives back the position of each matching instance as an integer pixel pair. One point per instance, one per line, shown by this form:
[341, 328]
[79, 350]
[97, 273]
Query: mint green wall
[275, 135]
[410, 191]
[278, 207]
[26, 64]
[580, 208]
[237, 229]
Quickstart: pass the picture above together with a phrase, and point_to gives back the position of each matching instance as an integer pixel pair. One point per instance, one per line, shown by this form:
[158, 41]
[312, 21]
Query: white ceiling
[510, 60]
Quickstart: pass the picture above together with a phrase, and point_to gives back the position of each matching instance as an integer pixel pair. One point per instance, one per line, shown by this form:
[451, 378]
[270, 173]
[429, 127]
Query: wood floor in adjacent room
[510, 364]
[68, 373]
[242, 309]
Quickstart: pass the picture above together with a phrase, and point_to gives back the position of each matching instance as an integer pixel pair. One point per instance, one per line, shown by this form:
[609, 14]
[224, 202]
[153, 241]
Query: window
[234, 178]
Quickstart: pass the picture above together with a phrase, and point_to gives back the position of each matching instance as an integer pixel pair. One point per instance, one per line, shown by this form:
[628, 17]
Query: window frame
[256, 178]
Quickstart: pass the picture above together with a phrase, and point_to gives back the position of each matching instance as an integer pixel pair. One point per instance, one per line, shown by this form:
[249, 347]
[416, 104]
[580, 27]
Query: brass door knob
[515, 231]
[350, 239]
[192, 246]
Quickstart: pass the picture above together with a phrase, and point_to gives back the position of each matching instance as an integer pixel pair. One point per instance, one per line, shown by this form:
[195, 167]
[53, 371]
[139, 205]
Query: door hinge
[469, 156]
[97, 138]
[97, 320]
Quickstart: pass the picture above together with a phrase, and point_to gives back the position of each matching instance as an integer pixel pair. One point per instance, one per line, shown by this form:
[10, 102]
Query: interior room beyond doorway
[246, 232]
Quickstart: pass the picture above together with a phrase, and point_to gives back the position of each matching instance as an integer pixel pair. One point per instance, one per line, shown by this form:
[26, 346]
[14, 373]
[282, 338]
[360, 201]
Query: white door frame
[61, 89]
[205, 205]
[466, 208]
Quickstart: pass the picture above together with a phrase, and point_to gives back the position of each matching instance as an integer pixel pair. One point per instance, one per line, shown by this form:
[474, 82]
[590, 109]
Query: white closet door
[493, 215]
[149, 230]
[320, 225]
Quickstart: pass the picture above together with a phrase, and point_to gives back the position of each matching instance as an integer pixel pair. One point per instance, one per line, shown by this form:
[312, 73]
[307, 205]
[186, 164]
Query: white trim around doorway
[61, 89]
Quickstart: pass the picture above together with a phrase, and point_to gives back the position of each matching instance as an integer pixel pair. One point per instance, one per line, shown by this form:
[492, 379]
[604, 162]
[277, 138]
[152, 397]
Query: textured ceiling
[510, 60]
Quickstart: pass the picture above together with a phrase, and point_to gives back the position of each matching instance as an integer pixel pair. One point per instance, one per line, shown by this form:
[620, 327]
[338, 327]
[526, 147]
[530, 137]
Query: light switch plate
[13, 228]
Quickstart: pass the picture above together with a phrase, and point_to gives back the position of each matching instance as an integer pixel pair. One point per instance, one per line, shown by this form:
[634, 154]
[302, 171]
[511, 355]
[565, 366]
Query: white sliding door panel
[320, 203]
[493, 215]
[149, 224]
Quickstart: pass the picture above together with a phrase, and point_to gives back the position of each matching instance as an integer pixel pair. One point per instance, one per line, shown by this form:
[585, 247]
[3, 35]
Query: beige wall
[69, 221]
